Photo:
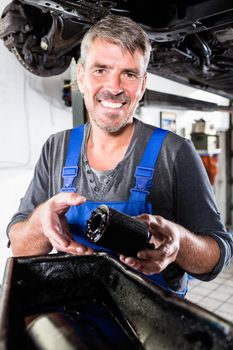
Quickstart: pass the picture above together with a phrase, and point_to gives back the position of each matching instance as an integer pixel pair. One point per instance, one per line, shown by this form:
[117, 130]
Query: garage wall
[185, 118]
[31, 108]
[220, 121]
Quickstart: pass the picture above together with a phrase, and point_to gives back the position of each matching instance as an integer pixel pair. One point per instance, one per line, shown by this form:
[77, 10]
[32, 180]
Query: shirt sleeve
[196, 208]
[37, 191]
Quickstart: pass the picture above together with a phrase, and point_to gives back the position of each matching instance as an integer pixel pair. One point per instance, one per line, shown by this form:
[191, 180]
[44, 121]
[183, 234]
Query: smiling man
[111, 88]
[133, 167]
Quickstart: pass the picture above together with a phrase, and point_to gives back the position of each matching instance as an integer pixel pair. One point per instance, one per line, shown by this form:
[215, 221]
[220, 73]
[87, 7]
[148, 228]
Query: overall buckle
[144, 178]
[69, 173]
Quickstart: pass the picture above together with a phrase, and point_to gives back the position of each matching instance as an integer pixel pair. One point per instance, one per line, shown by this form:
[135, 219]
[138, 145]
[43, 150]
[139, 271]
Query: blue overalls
[77, 216]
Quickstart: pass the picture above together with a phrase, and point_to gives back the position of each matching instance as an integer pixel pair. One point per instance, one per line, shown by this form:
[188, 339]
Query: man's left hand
[165, 235]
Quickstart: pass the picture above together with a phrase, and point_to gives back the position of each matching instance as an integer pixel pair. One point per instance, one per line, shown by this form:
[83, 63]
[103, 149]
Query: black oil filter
[119, 232]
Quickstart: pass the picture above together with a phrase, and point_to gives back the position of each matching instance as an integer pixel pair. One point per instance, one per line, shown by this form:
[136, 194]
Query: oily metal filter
[114, 230]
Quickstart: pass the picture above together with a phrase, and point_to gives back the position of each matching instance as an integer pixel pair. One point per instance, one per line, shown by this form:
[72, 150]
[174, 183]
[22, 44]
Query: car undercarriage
[192, 41]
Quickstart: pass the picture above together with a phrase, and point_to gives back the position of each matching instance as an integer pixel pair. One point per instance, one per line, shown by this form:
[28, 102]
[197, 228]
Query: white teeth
[110, 104]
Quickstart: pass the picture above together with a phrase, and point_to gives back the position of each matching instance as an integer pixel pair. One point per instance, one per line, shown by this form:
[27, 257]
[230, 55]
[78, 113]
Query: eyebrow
[99, 65]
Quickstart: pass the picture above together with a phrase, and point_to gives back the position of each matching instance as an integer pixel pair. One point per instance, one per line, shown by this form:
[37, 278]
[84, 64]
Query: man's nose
[114, 84]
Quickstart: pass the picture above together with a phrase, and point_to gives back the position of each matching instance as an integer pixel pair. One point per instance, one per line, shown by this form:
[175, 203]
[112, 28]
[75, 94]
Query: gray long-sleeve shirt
[180, 192]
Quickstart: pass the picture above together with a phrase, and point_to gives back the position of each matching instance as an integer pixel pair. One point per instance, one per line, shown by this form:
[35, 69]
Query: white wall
[31, 108]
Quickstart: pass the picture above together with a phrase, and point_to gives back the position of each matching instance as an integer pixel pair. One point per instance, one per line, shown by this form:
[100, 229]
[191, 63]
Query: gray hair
[121, 31]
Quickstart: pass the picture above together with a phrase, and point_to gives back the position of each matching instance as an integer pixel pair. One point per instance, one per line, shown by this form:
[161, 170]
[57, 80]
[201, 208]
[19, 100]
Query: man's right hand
[47, 228]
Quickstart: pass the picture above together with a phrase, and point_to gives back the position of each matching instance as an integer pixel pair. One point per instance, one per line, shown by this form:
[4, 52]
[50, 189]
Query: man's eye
[130, 76]
[99, 71]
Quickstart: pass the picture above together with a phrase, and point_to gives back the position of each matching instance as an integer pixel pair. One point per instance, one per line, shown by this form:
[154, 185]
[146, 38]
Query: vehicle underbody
[192, 41]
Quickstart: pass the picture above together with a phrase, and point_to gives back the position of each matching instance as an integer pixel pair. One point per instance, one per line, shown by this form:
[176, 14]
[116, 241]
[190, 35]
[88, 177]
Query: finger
[165, 247]
[74, 248]
[152, 267]
[65, 244]
[157, 262]
[61, 248]
[156, 239]
[163, 252]
[146, 267]
[160, 225]
[144, 217]
[83, 250]
[53, 220]
[57, 239]
[54, 231]
[65, 227]
[132, 262]
[162, 230]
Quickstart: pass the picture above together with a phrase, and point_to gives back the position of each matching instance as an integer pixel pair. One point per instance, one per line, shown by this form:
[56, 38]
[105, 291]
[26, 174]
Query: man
[133, 167]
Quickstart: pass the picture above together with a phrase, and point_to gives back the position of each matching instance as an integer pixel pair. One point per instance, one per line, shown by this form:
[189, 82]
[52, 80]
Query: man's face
[112, 82]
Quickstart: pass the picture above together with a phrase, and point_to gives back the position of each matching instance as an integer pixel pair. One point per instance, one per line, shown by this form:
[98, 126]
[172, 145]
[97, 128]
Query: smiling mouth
[113, 105]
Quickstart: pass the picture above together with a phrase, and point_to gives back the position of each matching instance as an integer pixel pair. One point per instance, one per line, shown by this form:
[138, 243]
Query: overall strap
[145, 171]
[70, 170]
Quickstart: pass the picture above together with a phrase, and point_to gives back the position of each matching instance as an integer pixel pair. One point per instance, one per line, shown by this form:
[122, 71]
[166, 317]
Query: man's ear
[80, 74]
[143, 87]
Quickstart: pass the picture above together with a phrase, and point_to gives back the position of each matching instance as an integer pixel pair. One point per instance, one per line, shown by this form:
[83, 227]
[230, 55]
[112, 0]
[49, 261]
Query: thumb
[63, 200]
